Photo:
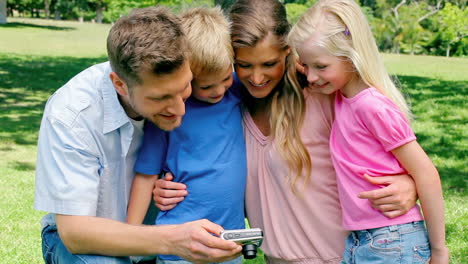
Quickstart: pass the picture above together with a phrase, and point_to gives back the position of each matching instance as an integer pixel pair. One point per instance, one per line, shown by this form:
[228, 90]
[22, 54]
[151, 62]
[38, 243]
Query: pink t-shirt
[366, 128]
[303, 229]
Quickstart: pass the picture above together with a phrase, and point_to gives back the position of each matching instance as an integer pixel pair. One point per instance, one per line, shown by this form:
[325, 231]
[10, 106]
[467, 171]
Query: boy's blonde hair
[345, 32]
[209, 39]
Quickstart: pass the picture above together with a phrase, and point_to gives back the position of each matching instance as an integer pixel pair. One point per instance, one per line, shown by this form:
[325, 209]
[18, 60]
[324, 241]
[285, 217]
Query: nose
[311, 76]
[178, 106]
[256, 77]
[219, 90]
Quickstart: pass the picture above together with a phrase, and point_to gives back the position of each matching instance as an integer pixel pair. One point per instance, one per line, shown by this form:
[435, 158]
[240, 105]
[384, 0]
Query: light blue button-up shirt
[86, 151]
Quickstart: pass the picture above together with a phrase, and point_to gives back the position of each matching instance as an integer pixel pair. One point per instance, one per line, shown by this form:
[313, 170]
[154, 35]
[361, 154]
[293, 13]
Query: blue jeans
[161, 261]
[405, 243]
[55, 252]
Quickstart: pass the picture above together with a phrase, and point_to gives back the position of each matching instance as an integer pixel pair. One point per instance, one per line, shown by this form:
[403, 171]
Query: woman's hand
[396, 198]
[167, 194]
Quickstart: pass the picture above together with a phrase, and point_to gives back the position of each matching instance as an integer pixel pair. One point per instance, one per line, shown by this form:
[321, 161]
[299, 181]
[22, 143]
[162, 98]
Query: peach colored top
[297, 229]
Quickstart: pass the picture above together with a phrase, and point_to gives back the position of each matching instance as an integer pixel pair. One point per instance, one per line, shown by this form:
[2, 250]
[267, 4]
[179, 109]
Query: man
[90, 133]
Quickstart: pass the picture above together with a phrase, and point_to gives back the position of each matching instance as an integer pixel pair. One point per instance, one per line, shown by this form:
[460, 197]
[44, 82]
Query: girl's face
[261, 68]
[326, 73]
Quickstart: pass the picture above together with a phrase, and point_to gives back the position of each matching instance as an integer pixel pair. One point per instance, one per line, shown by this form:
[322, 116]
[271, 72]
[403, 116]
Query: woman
[291, 188]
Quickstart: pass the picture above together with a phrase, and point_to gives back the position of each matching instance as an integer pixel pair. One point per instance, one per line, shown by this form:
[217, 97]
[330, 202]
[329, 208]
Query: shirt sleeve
[152, 153]
[67, 171]
[389, 126]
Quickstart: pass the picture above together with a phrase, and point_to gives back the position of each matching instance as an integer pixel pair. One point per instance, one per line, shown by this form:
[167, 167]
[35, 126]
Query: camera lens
[249, 251]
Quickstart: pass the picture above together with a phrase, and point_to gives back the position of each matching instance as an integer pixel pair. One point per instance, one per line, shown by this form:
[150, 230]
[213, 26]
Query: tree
[3, 12]
[47, 8]
[406, 18]
[453, 25]
[224, 4]
[295, 11]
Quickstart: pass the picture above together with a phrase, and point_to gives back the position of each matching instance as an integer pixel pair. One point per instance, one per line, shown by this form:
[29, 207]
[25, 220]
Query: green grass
[38, 56]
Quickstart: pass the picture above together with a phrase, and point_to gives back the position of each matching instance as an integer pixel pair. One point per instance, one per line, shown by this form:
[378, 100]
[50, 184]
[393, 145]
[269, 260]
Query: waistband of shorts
[400, 228]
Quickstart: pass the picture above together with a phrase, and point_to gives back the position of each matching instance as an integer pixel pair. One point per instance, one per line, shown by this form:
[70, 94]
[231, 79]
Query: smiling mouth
[320, 85]
[259, 85]
[216, 97]
[169, 117]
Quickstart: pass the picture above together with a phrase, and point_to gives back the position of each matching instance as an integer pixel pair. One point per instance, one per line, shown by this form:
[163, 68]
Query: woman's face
[261, 68]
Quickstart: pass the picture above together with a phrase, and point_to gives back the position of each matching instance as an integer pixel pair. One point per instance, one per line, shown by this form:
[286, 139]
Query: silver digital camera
[250, 239]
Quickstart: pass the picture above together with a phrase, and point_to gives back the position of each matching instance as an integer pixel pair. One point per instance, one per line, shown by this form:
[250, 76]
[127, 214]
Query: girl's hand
[439, 256]
[167, 194]
[396, 198]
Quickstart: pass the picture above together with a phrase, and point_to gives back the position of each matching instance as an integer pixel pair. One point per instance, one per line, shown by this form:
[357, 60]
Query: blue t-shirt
[207, 153]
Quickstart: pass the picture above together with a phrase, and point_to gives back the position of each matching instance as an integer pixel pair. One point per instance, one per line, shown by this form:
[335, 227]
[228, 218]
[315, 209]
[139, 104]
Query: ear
[119, 84]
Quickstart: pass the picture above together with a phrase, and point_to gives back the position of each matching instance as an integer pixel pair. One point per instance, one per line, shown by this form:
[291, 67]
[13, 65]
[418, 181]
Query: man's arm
[192, 241]
[167, 194]
[396, 198]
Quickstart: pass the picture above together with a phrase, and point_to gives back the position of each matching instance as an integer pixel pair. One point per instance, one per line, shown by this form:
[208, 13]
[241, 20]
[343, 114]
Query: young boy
[207, 152]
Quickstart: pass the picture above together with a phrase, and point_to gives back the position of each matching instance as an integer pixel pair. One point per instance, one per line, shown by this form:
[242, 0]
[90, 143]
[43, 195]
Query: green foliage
[412, 35]
[453, 25]
[414, 27]
[295, 11]
[118, 8]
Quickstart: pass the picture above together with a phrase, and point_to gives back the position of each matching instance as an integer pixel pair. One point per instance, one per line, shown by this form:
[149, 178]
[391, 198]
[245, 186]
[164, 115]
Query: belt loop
[393, 228]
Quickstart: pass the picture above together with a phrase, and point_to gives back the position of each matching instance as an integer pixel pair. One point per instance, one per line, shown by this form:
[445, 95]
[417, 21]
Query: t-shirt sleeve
[389, 126]
[152, 153]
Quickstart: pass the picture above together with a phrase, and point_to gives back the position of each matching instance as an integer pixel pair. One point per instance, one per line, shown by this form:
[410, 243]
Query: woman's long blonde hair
[252, 21]
[346, 33]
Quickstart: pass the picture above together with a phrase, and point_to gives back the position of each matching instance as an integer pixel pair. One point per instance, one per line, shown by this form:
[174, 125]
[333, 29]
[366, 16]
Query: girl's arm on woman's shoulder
[420, 167]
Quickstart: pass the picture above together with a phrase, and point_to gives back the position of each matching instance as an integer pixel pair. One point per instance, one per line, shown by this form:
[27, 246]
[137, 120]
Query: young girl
[370, 135]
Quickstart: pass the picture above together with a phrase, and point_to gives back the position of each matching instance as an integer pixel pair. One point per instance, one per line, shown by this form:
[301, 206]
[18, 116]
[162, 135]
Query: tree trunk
[3, 12]
[47, 9]
[99, 14]
[56, 15]
[447, 53]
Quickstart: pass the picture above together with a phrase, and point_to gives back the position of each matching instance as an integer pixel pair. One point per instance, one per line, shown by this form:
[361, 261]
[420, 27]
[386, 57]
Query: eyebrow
[266, 61]
[164, 96]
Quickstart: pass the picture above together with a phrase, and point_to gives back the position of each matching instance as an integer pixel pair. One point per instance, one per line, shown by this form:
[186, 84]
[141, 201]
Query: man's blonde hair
[345, 32]
[208, 34]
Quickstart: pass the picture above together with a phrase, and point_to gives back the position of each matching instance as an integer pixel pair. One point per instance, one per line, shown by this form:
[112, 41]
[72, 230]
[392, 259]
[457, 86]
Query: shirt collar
[114, 114]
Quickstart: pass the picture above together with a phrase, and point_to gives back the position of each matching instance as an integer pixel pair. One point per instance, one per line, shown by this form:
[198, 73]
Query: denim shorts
[161, 261]
[404, 243]
[55, 252]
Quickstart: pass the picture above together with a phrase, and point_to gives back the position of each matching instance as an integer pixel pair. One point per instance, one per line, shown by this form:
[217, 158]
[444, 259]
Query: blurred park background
[43, 43]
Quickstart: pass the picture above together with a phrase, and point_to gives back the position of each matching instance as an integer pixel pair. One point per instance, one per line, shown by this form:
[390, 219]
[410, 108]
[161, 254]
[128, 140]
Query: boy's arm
[420, 167]
[140, 197]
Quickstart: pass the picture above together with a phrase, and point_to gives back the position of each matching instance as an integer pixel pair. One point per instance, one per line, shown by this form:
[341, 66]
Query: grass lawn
[38, 56]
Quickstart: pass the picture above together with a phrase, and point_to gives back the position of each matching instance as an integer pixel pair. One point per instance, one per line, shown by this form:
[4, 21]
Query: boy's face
[210, 87]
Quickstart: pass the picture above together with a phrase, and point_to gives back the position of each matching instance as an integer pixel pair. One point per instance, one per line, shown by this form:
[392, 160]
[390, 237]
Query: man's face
[160, 99]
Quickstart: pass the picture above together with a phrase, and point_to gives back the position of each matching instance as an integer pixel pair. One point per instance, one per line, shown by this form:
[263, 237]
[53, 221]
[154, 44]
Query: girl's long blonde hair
[253, 21]
[346, 33]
